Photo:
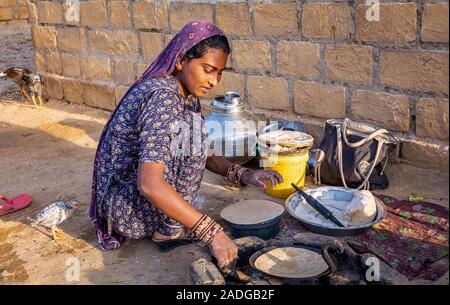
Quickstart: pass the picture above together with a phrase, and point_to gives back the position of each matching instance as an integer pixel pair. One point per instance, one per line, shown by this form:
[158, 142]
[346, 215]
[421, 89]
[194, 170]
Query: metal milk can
[232, 130]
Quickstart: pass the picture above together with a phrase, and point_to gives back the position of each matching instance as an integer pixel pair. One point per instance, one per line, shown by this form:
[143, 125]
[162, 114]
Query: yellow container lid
[285, 142]
[287, 138]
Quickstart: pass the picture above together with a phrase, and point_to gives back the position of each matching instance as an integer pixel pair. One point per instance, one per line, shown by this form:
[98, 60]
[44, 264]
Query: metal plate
[291, 207]
[293, 262]
[254, 217]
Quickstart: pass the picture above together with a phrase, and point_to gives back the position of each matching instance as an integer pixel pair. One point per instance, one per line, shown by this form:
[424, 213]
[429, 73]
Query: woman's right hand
[224, 250]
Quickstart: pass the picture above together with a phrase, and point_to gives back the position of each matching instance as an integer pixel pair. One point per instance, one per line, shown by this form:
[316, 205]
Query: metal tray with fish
[337, 200]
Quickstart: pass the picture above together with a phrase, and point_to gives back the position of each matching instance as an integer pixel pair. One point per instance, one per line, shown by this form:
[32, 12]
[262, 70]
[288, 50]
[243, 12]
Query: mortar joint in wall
[251, 11]
[376, 67]
[131, 11]
[108, 14]
[322, 64]
[291, 93]
[412, 109]
[352, 7]
[348, 100]
[299, 5]
[273, 57]
[214, 11]
[169, 13]
[246, 87]
[433, 46]
[420, 7]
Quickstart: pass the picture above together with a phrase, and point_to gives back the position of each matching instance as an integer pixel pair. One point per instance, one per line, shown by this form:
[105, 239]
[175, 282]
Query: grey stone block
[204, 272]
[247, 246]
[343, 278]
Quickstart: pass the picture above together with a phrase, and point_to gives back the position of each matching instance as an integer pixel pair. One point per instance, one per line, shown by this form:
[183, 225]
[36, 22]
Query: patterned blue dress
[154, 123]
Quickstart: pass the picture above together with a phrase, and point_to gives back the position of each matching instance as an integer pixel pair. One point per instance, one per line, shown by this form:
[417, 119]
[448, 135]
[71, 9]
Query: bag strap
[375, 134]
[340, 135]
[320, 155]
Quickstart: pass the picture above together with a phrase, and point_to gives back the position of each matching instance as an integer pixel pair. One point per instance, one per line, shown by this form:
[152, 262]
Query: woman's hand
[257, 177]
[224, 250]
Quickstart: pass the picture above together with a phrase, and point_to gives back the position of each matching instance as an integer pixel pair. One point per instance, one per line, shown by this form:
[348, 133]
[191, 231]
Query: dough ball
[361, 210]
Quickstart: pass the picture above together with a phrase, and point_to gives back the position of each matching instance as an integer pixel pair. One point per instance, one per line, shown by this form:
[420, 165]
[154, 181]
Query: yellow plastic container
[291, 167]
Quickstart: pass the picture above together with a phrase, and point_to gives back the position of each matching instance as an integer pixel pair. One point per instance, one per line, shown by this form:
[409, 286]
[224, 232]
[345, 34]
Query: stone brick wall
[14, 12]
[296, 59]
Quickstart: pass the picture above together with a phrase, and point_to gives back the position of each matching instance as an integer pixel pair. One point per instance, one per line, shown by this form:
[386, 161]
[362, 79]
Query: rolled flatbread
[291, 262]
[248, 212]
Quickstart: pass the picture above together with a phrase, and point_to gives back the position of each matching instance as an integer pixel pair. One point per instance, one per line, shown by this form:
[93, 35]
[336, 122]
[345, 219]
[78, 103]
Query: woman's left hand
[257, 177]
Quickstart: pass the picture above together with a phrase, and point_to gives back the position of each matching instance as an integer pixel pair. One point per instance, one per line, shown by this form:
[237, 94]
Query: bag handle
[375, 134]
[340, 134]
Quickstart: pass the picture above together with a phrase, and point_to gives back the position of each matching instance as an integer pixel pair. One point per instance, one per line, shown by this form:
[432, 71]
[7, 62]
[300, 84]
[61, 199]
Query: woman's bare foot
[159, 236]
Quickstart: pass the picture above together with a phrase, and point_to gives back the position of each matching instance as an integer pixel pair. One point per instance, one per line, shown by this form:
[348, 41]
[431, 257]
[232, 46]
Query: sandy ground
[48, 153]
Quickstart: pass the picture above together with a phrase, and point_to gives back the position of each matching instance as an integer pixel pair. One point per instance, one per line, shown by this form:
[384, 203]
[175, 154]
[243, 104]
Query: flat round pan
[254, 218]
[293, 262]
[252, 212]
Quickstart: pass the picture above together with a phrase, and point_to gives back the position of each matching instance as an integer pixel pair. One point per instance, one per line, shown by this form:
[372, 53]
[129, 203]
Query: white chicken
[54, 214]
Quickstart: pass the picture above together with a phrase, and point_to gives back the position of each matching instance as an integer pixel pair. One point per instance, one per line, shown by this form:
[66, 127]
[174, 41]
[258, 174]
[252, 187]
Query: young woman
[142, 185]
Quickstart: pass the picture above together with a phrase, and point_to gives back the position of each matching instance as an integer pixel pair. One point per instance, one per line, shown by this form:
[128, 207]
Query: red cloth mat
[411, 239]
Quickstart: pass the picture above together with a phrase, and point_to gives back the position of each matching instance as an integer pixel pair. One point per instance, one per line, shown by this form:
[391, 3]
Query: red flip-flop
[11, 205]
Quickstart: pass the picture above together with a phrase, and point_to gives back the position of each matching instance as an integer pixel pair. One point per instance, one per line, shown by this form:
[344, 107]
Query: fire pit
[347, 268]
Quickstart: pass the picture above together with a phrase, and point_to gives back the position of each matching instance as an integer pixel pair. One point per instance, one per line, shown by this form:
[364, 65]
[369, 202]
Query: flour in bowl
[353, 208]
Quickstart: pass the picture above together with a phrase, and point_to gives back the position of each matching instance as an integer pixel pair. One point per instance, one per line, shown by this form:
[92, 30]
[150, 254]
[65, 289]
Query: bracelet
[239, 174]
[234, 174]
[205, 230]
[211, 233]
[231, 172]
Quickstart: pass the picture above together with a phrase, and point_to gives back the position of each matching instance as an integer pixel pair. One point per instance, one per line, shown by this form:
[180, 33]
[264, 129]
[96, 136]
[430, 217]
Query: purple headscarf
[190, 35]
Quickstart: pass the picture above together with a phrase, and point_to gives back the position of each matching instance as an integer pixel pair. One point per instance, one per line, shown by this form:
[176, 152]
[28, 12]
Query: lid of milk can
[230, 102]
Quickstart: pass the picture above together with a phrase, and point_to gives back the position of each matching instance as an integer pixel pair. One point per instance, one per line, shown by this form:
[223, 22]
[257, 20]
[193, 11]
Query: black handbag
[351, 154]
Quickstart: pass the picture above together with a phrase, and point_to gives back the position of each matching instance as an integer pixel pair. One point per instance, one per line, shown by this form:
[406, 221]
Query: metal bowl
[291, 206]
